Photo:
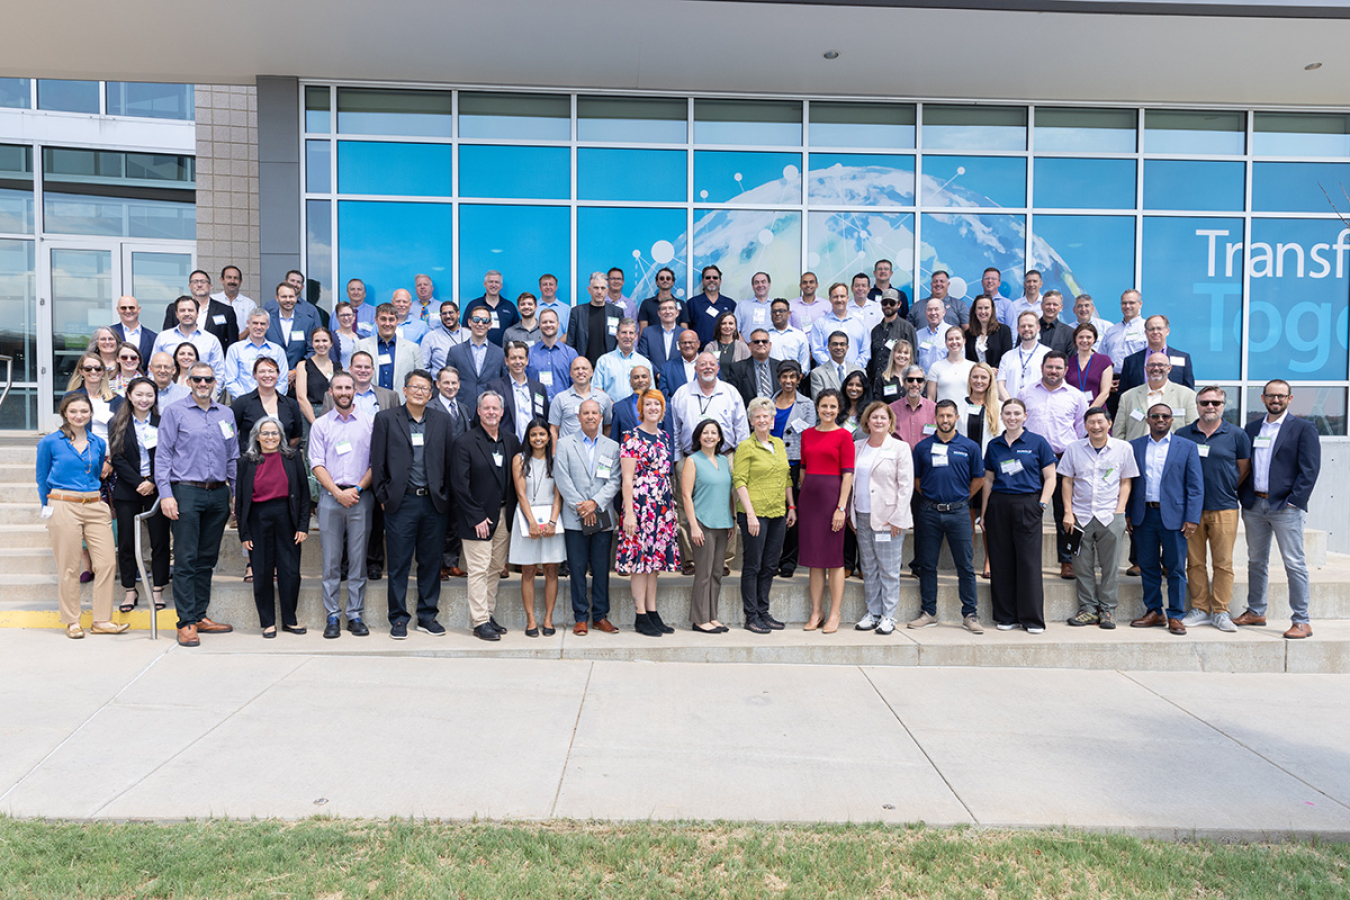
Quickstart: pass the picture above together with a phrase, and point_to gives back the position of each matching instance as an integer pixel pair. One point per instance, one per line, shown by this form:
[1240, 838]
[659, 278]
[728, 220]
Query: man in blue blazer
[291, 325]
[676, 372]
[523, 398]
[1165, 507]
[1286, 459]
[1156, 331]
[478, 360]
[625, 413]
[659, 342]
[131, 330]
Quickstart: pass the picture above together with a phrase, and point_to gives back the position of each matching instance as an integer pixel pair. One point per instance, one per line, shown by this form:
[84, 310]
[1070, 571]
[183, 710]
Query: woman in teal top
[706, 487]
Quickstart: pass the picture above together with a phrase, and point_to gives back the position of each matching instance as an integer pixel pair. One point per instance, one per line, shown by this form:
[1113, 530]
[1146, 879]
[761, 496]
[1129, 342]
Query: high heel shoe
[830, 626]
[158, 594]
[811, 624]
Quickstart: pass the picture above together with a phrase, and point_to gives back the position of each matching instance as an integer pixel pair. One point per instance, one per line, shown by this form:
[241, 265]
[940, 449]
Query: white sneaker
[866, 623]
[1002, 627]
[885, 626]
[1033, 629]
[1196, 618]
[1223, 621]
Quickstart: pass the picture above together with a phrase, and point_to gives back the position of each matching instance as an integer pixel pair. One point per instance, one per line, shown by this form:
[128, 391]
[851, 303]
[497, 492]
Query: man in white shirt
[208, 348]
[1085, 311]
[242, 355]
[1127, 336]
[808, 307]
[1030, 301]
[1020, 366]
[754, 312]
[611, 370]
[230, 279]
[841, 318]
[786, 341]
[862, 305]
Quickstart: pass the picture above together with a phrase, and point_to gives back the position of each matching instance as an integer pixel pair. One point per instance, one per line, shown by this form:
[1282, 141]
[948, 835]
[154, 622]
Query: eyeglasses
[1159, 416]
[1276, 396]
[202, 379]
[419, 389]
[269, 435]
[1209, 403]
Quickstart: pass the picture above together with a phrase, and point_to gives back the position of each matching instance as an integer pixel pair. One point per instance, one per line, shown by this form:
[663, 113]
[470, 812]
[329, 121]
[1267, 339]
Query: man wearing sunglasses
[758, 375]
[130, 329]
[705, 308]
[892, 327]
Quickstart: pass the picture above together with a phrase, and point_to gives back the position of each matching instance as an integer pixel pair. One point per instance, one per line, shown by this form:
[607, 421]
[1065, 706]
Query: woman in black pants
[272, 508]
[132, 438]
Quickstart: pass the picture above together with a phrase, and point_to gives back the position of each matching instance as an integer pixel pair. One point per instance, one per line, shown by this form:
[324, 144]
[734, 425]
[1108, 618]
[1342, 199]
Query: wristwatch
[1043, 506]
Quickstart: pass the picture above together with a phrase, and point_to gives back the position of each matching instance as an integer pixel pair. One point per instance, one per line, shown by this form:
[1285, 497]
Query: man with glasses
[208, 345]
[548, 299]
[195, 463]
[410, 449]
[758, 375]
[754, 312]
[882, 271]
[830, 374]
[1132, 419]
[614, 294]
[1225, 462]
[551, 359]
[446, 334]
[593, 328]
[130, 329]
[706, 307]
[786, 341]
[1165, 507]
[502, 312]
[220, 320]
[649, 313]
[231, 279]
[892, 327]
[681, 370]
[915, 419]
[1085, 311]
[659, 344]
[478, 360]
[1156, 331]
[239, 359]
[1286, 459]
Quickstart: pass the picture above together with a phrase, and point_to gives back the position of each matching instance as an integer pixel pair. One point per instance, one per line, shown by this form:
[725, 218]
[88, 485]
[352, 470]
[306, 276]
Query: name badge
[890, 390]
[1010, 466]
[227, 429]
[929, 430]
[603, 470]
[974, 410]
[297, 335]
[613, 326]
[418, 439]
[496, 323]
[151, 441]
[939, 450]
[345, 447]
[1177, 360]
[927, 345]
[364, 327]
[757, 317]
[538, 405]
[219, 320]
[497, 459]
[386, 359]
[940, 460]
[882, 537]
[546, 379]
[1263, 442]
[1178, 412]
[1204, 450]
[890, 345]
[712, 311]
[1137, 415]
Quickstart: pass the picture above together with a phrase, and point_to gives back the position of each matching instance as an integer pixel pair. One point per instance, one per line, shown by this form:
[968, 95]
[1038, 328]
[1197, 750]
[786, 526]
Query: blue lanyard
[1083, 373]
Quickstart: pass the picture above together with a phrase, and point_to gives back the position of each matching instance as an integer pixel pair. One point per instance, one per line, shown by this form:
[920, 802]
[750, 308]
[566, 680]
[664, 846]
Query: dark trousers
[127, 510]
[1062, 537]
[1016, 589]
[850, 550]
[450, 557]
[593, 553]
[930, 527]
[375, 543]
[787, 559]
[1159, 546]
[274, 550]
[415, 526]
[759, 563]
[202, 515]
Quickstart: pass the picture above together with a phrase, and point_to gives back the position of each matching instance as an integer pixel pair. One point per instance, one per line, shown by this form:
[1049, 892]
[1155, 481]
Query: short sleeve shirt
[1219, 455]
[1017, 468]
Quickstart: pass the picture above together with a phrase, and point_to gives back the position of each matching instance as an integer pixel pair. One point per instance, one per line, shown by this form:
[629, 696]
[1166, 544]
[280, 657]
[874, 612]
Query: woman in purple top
[1088, 371]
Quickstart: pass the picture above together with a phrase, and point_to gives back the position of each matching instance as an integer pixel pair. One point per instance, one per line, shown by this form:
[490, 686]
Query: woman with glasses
[827, 479]
[90, 379]
[889, 385]
[129, 367]
[104, 343]
[272, 508]
[1089, 371]
[133, 437]
[346, 336]
[726, 344]
[988, 338]
[312, 376]
[262, 402]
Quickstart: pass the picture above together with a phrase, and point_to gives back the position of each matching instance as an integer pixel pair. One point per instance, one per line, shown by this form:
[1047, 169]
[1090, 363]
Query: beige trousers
[70, 525]
[484, 561]
[1218, 529]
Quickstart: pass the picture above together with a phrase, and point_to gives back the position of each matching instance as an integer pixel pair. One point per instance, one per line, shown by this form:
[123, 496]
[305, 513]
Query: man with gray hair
[241, 356]
[611, 372]
[593, 328]
[587, 472]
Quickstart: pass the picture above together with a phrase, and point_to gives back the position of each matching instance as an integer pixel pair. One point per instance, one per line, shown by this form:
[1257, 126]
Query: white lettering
[1340, 248]
[1233, 250]
[1213, 235]
[1280, 250]
[1260, 262]
[1320, 260]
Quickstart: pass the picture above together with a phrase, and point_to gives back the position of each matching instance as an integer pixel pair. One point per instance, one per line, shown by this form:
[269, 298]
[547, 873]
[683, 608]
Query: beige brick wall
[227, 182]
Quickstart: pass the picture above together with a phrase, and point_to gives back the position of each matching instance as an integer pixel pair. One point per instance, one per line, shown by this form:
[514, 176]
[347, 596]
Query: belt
[74, 497]
[946, 507]
[204, 485]
[1261, 495]
[345, 487]
[418, 492]
[1152, 505]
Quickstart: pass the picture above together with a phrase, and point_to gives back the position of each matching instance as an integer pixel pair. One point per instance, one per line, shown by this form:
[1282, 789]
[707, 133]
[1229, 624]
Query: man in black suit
[461, 417]
[409, 456]
[485, 498]
[131, 330]
[593, 328]
[1054, 333]
[1286, 459]
[758, 375]
[1156, 331]
[478, 361]
[523, 398]
[213, 316]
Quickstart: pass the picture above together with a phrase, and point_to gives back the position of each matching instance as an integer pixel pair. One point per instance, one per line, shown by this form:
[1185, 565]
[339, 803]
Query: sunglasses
[760, 341]
[479, 320]
[914, 380]
[1159, 416]
[129, 358]
[202, 379]
[1209, 403]
[91, 368]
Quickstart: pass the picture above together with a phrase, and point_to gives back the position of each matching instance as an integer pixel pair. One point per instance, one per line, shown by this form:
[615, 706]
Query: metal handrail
[9, 377]
[140, 563]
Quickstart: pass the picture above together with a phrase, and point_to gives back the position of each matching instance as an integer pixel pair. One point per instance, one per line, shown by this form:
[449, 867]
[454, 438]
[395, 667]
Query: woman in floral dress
[647, 544]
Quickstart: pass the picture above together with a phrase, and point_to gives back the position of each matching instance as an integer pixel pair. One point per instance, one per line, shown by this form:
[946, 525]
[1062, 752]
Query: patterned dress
[653, 547]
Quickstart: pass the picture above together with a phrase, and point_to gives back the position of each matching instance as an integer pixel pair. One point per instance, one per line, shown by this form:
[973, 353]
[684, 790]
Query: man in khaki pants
[1225, 460]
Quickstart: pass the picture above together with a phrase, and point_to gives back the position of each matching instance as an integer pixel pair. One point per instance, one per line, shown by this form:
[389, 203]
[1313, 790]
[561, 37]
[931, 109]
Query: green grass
[329, 859]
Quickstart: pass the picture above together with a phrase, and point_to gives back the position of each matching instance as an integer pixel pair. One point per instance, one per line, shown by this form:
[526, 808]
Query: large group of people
[654, 436]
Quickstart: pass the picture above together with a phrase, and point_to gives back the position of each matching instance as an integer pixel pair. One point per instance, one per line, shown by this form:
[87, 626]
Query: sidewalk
[124, 727]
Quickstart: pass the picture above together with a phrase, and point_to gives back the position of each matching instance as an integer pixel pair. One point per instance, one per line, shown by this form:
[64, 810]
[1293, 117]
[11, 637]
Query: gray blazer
[576, 478]
[824, 377]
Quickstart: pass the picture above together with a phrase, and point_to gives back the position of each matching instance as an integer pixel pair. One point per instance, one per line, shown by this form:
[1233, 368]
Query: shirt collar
[1167, 439]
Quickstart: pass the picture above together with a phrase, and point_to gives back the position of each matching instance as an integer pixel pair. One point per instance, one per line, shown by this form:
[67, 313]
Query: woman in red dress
[827, 479]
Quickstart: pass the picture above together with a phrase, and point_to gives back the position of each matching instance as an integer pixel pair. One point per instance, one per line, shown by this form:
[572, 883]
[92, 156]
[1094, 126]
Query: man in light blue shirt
[410, 328]
[548, 299]
[932, 336]
[208, 348]
[786, 341]
[241, 356]
[365, 312]
[611, 370]
[840, 319]
[551, 359]
[161, 370]
[437, 342]
[754, 312]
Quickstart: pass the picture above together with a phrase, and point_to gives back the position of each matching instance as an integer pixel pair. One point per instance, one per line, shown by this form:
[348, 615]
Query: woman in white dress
[537, 540]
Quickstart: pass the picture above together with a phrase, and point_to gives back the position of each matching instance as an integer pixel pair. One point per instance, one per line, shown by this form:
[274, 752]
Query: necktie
[763, 369]
[840, 370]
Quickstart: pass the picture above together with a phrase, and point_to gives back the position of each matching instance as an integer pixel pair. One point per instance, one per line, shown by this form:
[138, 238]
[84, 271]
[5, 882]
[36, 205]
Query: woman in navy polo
[1018, 480]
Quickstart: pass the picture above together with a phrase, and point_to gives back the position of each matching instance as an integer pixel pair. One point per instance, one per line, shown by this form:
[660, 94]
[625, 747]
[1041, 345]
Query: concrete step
[19, 450]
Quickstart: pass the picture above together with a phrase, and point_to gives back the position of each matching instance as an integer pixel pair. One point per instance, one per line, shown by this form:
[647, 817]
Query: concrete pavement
[123, 727]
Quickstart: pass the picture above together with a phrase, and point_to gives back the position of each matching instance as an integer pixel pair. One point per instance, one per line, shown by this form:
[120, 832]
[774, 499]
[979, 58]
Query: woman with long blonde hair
[980, 421]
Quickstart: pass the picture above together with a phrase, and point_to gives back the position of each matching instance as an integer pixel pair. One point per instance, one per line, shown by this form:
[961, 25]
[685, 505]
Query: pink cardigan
[890, 486]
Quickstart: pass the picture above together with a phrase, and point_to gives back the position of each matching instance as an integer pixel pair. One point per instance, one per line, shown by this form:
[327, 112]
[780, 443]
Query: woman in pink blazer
[878, 510]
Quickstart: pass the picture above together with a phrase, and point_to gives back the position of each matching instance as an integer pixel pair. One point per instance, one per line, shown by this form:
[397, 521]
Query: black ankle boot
[655, 618]
[643, 625]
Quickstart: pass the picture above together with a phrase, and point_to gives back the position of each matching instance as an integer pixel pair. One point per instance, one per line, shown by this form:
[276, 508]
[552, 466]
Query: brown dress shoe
[1066, 571]
[606, 626]
[1151, 619]
[1249, 618]
[1175, 626]
[1132, 571]
[445, 573]
[187, 636]
[580, 628]
[457, 572]
[206, 626]
[1299, 630]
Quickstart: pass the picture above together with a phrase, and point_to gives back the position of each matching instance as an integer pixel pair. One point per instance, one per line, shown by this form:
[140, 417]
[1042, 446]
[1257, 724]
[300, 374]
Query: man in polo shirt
[439, 339]
[705, 308]
[1055, 411]
[501, 310]
[954, 312]
[562, 411]
[1225, 461]
[526, 331]
[948, 471]
[1095, 475]
[551, 359]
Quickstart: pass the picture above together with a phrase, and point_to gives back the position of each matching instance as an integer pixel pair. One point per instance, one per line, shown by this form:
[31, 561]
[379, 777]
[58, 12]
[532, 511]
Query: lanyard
[1083, 374]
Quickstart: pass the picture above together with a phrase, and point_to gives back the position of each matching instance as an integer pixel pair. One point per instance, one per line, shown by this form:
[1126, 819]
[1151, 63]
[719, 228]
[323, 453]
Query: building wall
[227, 183]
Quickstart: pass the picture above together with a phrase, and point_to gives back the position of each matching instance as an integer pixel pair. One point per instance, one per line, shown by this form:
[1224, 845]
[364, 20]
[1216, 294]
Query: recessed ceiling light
[834, 54]
[1312, 67]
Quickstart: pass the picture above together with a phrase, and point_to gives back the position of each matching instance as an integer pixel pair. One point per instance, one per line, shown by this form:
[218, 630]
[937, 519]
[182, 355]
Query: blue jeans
[1154, 541]
[930, 527]
[1287, 525]
[593, 552]
[416, 525]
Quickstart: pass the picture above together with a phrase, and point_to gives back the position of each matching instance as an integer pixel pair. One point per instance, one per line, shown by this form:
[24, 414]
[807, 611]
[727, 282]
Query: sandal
[248, 574]
[128, 605]
[159, 597]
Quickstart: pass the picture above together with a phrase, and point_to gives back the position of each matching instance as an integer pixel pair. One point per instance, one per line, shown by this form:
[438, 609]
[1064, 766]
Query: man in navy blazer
[515, 388]
[1166, 502]
[1286, 459]
[291, 325]
[652, 342]
[626, 415]
[129, 311]
[1156, 331]
[478, 360]
[675, 373]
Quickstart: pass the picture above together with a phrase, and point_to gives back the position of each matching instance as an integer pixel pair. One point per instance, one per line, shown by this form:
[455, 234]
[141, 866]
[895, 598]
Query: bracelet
[792, 507]
[553, 523]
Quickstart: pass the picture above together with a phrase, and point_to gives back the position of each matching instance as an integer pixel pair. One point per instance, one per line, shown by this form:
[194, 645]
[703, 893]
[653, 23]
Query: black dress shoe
[375, 572]
[486, 632]
[786, 573]
[333, 629]
[357, 627]
[756, 626]
[772, 623]
[294, 629]
[495, 627]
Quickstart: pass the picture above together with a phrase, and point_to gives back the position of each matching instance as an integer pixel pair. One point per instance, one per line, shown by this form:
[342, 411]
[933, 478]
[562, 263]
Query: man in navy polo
[948, 471]
[1225, 462]
[705, 308]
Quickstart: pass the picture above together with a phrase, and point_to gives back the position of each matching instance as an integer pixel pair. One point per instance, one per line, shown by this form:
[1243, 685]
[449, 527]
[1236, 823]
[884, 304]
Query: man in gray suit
[831, 375]
[587, 474]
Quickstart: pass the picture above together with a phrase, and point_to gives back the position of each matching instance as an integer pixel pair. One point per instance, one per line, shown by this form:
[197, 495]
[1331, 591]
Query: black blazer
[1132, 372]
[481, 486]
[297, 477]
[391, 456]
[147, 341]
[1060, 337]
[539, 400]
[127, 464]
[227, 332]
[741, 376]
[579, 328]
[249, 409]
[1000, 342]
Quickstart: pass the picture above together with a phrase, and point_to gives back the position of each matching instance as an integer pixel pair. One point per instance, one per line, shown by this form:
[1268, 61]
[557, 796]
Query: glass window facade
[1239, 243]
